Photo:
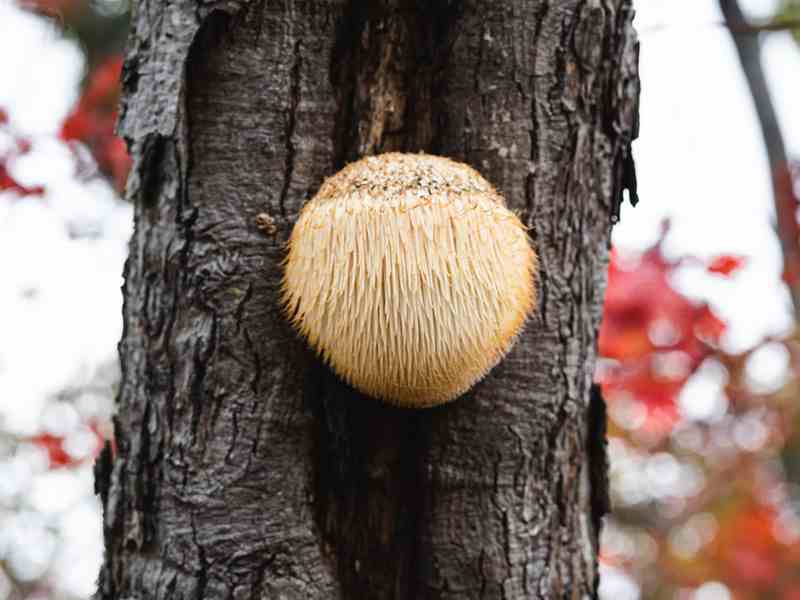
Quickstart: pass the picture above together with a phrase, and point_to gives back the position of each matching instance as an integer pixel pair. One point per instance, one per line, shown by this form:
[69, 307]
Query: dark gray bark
[245, 469]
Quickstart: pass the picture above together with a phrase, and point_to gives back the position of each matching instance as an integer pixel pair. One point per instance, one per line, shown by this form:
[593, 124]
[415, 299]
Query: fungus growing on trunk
[409, 276]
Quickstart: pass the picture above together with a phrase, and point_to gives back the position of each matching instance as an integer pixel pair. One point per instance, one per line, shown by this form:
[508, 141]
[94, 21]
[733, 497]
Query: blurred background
[701, 357]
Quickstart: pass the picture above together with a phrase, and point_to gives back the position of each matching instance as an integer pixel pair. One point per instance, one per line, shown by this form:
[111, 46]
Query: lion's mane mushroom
[409, 276]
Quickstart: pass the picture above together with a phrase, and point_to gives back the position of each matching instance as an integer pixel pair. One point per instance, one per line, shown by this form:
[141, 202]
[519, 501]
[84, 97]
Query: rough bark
[245, 469]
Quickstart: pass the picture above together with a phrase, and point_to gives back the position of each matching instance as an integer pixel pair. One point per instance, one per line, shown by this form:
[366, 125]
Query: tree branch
[772, 26]
[749, 51]
[739, 28]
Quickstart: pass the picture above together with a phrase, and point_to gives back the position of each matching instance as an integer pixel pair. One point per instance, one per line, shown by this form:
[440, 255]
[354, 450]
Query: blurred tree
[749, 50]
[695, 499]
[702, 503]
[75, 422]
[91, 124]
[74, 426]
[99, 27]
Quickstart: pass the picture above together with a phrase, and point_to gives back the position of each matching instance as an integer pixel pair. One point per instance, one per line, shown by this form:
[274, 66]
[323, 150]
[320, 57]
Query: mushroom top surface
[398, 178]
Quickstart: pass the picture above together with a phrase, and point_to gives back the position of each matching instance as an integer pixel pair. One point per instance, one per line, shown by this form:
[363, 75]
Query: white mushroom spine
[409, 276]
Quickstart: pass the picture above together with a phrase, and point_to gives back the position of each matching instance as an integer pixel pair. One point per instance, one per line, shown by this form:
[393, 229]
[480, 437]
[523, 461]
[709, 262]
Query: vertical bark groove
[246, 469]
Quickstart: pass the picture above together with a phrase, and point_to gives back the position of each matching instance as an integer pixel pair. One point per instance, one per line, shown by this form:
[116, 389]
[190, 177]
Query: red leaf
[791, 593]
[708, 325]
[55, 449]
[59, 457]
[77, 126]
[656, 336]
[726, 264]
[9, 183]
[23, 145]
[92, 122]
[752, 567]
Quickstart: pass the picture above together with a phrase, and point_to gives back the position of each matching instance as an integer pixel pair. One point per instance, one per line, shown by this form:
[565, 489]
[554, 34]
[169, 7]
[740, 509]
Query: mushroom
[409, 277]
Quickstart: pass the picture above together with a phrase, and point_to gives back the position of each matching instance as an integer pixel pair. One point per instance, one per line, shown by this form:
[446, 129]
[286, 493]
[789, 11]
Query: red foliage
[726, 264]
[91, 123]
[749, 557]
[93, 119]
[707, 325]
[749, 549]
[656, 336]
[55, 449]
[9, 183]
[59, 457]
[792, 593]
[22, 146]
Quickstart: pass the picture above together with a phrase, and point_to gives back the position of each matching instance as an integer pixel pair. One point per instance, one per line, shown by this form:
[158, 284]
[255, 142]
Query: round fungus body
[409, 276]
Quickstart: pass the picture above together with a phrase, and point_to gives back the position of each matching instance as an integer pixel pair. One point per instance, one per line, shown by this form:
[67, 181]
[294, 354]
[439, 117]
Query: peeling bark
[245, 468]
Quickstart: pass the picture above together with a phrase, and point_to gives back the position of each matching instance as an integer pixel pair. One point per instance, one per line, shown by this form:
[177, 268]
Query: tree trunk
[245, 469]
